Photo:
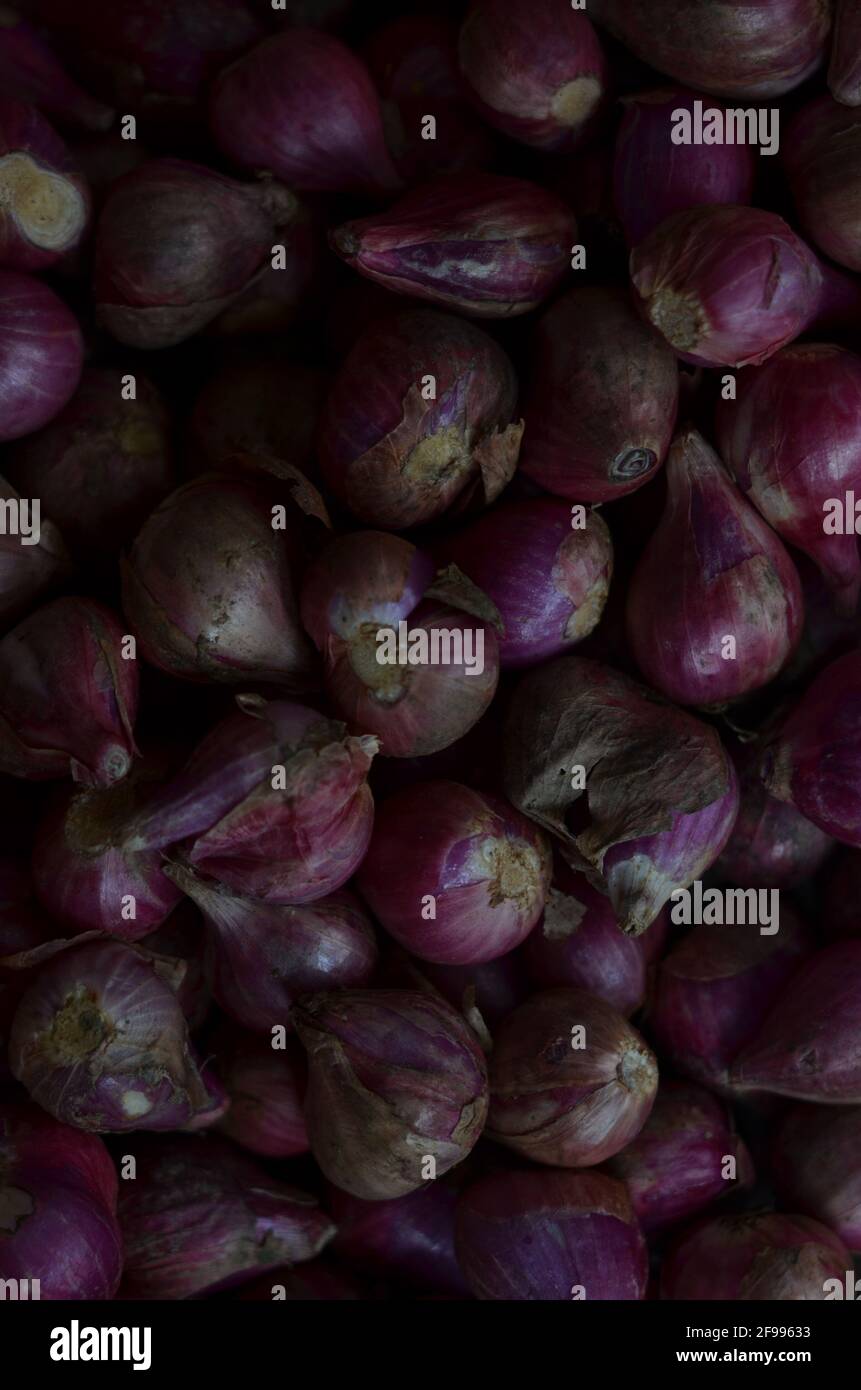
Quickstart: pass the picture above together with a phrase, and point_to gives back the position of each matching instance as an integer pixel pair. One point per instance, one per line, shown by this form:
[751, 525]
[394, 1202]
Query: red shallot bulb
[823, 161]
[726, 286]
[30, 71]
[266, 1087]
[812, 761]
[792, 440]
[408, 657]
[771, 845]
[58, 1201]
[571, 1082]
[397, 1088]
[209, 585]
[41, 355]
[543, 1236]
[547, 568]
[685, 1157]
[418, 420]
[265, 955]
[33, 558]
[743, 49]
[816, 1161]
[455, 875]
[536, 70]
[485, 244]
[714, 607]
[68, 695]
[661, 795]
[602, 399]
[44, 199]
[408, 1238]
[303, 107]
[714, 989]
[101, 465]
[755, 1257]
[678, 176]
[175, 244]
[202, 1216]
[100, 1042]
[808, 1046]
[844, 74]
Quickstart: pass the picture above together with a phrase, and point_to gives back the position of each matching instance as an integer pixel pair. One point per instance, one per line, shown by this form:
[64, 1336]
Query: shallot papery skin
[744, 49]
[266, 1087]
[812, 761]
[27, 570]
[763, 1257]
[303, 106]
[30, 71]
[602, 398]
[808, 1046]
[488, 245]
[542, 1236]
[714, 989]
[579, 942]
[726, 286]
[771, 845]
[100, 1042]
[844, 73]
[41, 355]
[678, 176]
[661, 792]
[455, 875]
[266, 955]
[44, 199]
[571, 1082]
[397, 1088]
[176, 242]
[201, 1216]
[209, 586]
[536, 71]
[823, 162]
[678, 1163]
[101, 465]
[546, 569]
[273, 804]
[409, 1238]
[419, 420]
[816, 1159]
[792, 440]
[68, 695]
[58, 1201]
[368, 583]
[714, 607]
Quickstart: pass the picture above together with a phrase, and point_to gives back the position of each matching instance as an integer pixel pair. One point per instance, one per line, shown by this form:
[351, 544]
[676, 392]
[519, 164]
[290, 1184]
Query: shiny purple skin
[713, 991]
[844, 74]
[487, 245]
[394, 1078]
[100, 1042]
[398, 460]
[266, 1090]
[792, 440]
[808, 1046]
[579, 943]
[27, 571]
[30, 71]
[482, 867]
[548, 579]
[291, 842]
[822, 152]
[550, 1236]
[408, 1238]
[674, 1167]
[202, 1217]
[754, 1257]
[771, 845]
[303, 107]
[726, 286]
[265, 955]
[814, 759]
[711, 569]
[58, 1201]
[816, 1162]
[536, 72]
[44, 198]
[41, 355]
[69, 695]
[678, 177]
